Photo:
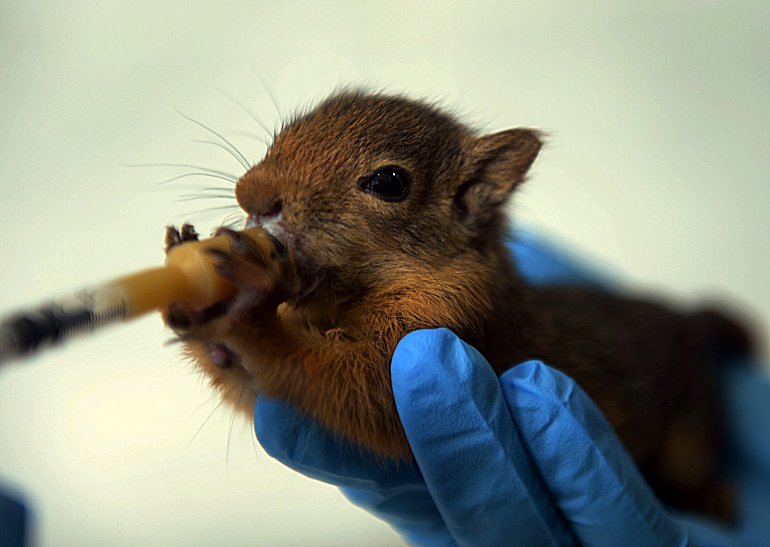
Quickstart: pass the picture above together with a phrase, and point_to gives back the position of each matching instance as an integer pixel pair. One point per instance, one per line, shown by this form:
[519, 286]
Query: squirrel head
[365, 182]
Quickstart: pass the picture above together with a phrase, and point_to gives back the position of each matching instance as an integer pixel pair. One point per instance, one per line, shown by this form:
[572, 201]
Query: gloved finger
[747, 406]
[754, 504]
[409, 509]
[544, 263]
[13, 521]
[301, 443]
[395, 493]
[591, 476]
[467, 447]
[753, 525]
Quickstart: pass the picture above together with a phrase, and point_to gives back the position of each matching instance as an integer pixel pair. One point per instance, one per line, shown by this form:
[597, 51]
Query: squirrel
[388, 215]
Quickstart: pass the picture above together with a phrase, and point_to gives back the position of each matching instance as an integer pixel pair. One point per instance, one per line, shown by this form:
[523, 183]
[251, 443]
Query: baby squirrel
[392, 215]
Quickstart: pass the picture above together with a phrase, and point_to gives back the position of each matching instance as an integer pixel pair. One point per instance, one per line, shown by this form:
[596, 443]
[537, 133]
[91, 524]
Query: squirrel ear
[498, 163]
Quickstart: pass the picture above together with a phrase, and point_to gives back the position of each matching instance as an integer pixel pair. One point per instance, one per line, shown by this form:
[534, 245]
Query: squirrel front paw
[262, 279]
[174, 237]
[176, 317]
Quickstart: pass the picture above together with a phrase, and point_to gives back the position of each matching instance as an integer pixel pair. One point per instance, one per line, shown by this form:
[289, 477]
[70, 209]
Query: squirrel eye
[387, 184]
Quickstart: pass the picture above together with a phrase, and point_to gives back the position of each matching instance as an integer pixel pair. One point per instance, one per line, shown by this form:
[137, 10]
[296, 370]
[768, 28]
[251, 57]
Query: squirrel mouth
[273, 225]
[283, 239]
[275, 229]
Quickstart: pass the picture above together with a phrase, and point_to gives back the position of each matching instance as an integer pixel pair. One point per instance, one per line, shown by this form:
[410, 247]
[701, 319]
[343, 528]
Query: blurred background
[656, 168]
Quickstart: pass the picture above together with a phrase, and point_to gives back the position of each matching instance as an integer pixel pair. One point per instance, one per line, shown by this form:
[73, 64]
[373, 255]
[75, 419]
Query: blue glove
[13, 521]
[526, 458]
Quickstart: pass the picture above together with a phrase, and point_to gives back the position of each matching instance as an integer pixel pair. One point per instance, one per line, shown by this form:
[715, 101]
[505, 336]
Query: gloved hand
[13, 521]
[525, 459]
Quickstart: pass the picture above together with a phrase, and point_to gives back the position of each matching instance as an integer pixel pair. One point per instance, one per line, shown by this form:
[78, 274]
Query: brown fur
[370, 271]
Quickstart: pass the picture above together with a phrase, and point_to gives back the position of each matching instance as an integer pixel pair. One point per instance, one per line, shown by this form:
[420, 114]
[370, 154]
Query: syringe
[188, 278]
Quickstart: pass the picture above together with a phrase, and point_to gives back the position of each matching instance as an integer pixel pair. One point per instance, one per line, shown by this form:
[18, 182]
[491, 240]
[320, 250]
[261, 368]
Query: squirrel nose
[271, 211]
[274, 210]
[260, 194]
[263, 215]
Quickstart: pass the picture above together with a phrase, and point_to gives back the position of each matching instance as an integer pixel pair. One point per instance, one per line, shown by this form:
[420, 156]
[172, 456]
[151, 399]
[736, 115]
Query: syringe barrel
[189, 278]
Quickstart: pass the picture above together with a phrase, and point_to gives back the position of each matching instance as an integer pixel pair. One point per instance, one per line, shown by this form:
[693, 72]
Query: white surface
[657, 165]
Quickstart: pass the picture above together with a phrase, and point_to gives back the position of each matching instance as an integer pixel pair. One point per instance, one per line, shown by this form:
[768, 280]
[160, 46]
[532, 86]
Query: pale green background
[656, 166]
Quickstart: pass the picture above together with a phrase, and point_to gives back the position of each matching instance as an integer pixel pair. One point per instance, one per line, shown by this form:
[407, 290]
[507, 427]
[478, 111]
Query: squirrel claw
[243, 247]
[262, 281]
[174, 237]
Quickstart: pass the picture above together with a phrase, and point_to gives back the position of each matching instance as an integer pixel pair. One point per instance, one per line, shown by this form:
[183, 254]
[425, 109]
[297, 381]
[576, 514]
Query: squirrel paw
[262, 282]
[175, 317]
[174, 237]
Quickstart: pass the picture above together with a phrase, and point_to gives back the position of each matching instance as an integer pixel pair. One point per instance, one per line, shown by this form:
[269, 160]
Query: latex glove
[13, 521]
[528, 459]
